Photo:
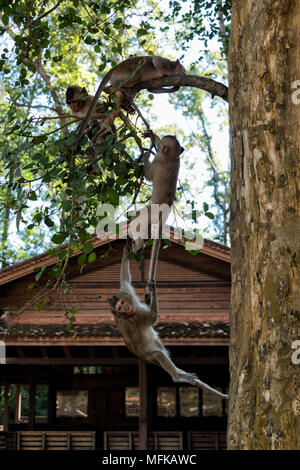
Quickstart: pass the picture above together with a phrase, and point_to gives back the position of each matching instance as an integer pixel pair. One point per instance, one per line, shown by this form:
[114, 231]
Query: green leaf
[40, 272]
[210, 215]
[141, 32]
[88, 247]
[32, 196]
[82, 259]
[49, 222]
[59, 238]
[205, 206]
[5, 20]
[41, 304]
[31, 286]
[92, 257]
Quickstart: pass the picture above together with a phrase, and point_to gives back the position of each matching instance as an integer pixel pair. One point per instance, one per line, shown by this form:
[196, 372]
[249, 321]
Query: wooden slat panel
[156, 441]
[56, 440]
[207, 441]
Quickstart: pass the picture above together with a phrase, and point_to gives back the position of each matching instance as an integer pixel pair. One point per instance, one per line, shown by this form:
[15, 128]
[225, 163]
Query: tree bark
[264, 61]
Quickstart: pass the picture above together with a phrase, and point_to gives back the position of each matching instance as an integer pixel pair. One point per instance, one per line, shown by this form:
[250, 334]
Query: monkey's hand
[150, 291]
[126, 251]
[151, 285]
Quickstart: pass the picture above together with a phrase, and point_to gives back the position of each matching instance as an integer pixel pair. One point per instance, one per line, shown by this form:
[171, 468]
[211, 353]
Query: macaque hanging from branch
[163, 173]
[135, 321]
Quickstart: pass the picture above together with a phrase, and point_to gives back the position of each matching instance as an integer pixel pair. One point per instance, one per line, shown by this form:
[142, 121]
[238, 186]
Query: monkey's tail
[194, 380]
[206, 387]
[163, 90]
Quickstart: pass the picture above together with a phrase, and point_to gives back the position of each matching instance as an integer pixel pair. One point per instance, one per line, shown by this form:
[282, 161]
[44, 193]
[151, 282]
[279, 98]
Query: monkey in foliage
[125, 76]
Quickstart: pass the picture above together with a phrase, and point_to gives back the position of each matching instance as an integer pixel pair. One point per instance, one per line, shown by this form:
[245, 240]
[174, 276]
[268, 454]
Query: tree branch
[207, 84]
[48, 11]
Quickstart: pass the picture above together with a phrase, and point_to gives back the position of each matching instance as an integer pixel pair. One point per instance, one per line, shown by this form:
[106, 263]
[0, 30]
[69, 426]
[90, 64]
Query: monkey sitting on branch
[163, 172]
[79, 101]
[135, 321]
[125, 76]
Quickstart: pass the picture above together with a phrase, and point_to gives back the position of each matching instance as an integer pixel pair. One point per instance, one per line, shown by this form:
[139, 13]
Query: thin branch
[47, 133]
[49, 11]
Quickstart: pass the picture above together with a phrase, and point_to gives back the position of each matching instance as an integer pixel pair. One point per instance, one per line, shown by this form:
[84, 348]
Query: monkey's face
[121, 306]
[179, 68]
[169, 145]
[75, 99]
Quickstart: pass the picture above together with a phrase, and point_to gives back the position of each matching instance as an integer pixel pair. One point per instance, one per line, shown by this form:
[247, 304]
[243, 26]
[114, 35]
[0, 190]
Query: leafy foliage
[45, 47]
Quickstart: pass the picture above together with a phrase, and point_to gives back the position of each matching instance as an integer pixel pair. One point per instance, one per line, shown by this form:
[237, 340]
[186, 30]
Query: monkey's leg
[179, 375]
[194, 380]
[160, 358]
[106, 126]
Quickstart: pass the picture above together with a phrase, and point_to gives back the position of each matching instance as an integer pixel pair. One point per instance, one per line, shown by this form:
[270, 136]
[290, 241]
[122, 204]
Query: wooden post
[143, 416]
[32, 388]
[6, 411]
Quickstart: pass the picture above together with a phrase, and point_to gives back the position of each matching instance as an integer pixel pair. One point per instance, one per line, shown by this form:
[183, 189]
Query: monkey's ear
[165, 149]
[83, 90]
[181, 149]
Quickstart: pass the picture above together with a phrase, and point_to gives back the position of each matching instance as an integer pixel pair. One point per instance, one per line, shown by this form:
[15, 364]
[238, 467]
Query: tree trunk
[265, 229]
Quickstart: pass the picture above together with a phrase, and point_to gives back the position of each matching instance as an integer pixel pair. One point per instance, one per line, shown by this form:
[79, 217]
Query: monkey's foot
[137, 245]
[127, 106]
[104, 130]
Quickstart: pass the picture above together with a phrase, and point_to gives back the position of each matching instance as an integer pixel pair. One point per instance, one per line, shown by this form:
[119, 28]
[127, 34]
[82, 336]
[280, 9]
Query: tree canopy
[46, 46]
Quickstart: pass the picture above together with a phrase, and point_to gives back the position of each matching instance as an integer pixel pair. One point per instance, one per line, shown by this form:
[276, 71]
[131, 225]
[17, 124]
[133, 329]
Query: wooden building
[78, 387]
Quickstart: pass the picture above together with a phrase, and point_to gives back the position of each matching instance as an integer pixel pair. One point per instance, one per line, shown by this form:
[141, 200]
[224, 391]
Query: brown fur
[163, 172]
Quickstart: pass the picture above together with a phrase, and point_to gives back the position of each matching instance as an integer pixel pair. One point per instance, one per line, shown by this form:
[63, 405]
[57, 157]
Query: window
[132, 401]
[72, 404]
[166, 402]
[189, 401]
[92, 370]
[211, 404]
[87, 370]
[41, 403]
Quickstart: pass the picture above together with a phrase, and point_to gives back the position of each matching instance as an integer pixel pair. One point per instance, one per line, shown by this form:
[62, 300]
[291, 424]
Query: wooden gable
[191, 289]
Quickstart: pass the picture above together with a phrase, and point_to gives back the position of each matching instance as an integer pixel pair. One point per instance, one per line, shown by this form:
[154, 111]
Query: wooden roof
[193, 292]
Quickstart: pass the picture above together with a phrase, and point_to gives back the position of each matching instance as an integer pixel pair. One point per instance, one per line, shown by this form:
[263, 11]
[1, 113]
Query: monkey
[135, 321]
[125, 75]
[163, 172]
[78, 99]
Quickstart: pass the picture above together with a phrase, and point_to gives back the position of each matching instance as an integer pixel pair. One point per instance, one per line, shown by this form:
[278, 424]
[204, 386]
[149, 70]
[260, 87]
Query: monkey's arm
[125, 277]
[92, 107]
[148, 167]
[153, 309]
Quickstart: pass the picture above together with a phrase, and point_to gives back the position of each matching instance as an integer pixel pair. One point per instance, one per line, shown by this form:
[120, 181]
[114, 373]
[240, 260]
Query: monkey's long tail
[206, 387]
[194, 380]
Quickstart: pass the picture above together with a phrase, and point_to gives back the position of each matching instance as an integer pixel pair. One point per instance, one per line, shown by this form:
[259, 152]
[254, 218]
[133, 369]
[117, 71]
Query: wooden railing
[113, 440]
[7, 441]
[207, 440]
[56, 440]
[160, 440]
